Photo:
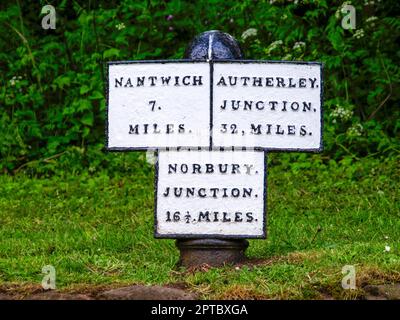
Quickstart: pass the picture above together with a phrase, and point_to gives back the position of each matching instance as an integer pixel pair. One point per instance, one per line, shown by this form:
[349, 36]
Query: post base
[213, 252]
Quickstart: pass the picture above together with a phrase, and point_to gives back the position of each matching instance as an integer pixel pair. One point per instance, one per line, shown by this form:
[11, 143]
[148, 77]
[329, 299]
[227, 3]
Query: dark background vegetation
[52, 91]
[66, 202]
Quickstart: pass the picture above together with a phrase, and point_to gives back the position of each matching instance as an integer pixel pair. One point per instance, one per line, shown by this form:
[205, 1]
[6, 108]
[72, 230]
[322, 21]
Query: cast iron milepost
[212, 45]
[146, 110]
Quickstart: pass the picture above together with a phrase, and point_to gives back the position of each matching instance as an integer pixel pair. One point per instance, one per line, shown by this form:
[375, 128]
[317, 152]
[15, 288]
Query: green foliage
[52, 93]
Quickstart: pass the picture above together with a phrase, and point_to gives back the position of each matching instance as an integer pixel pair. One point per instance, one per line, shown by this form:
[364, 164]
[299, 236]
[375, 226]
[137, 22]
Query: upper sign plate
[157, 104]
[269, 105]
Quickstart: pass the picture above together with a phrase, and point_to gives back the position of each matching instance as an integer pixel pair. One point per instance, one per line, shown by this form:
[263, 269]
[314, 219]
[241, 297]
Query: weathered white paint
[253, 179]
[188, 105]
[243, 119]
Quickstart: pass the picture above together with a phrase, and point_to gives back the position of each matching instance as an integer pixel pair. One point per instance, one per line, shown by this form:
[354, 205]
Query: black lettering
[139, 81]
[313, 81]
[134, 129]
[221, 82]
[223, 107]
[225, 218]
[269, 82]
[165, 80]
[279, 130]
[118, 82]
[184, 80]
[231, 82]
[166, 193]
[247, 105]
[245, 79]
[294, 106]
[306, 106]
[214, 192]
[152, 80]
[190, 192]
[196, 168]
[221, 169]
[247, 192]
[273, 104]
[204, 216]
[202, 193]
[249, 216]
[209, 168]
[238, 217]
[155, 126]
[128, 83]
[197, 80]
[235, 192]
[237, 104]
[257, 105]
[235, 168]
[280, 82]
[255, 130]
[172, 167]
[178, 192]
[170, 128]
[284, 105]
[257, 82]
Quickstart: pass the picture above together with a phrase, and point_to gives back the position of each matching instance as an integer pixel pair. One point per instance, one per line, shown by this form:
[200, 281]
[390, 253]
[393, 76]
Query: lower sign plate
[207, 194]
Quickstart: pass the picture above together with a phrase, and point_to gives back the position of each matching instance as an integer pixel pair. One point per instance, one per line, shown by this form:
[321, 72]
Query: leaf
[84, 89]
[62, 81]
[113, 52]
[88, 119]
[96, 95]
[84, 105]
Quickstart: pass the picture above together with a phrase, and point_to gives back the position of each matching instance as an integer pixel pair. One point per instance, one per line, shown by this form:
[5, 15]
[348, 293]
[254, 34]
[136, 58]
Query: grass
[97, 230]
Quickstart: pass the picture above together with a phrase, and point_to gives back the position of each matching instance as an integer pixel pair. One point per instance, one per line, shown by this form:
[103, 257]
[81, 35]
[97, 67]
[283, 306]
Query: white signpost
[267, 105]
[211, 194]
[158, 104]
[252, 105]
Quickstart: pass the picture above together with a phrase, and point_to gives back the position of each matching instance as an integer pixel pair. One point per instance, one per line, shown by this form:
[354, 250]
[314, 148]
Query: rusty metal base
[213, 252]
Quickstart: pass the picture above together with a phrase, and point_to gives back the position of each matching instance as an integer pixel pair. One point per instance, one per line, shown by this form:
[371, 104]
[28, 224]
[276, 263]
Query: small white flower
[387, 249]
[299, 45]
[120, 26]
[338, 12]
[249, 33]
[359, 34]
[355, 130]
[237, 268]
[386, 237]
[342, 113]
[370, 19]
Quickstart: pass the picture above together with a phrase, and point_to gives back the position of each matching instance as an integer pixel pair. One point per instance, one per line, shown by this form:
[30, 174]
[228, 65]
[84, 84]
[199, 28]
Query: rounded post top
[213, 45]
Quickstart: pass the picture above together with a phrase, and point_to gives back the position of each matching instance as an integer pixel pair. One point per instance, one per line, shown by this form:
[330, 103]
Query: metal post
[212, 45]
